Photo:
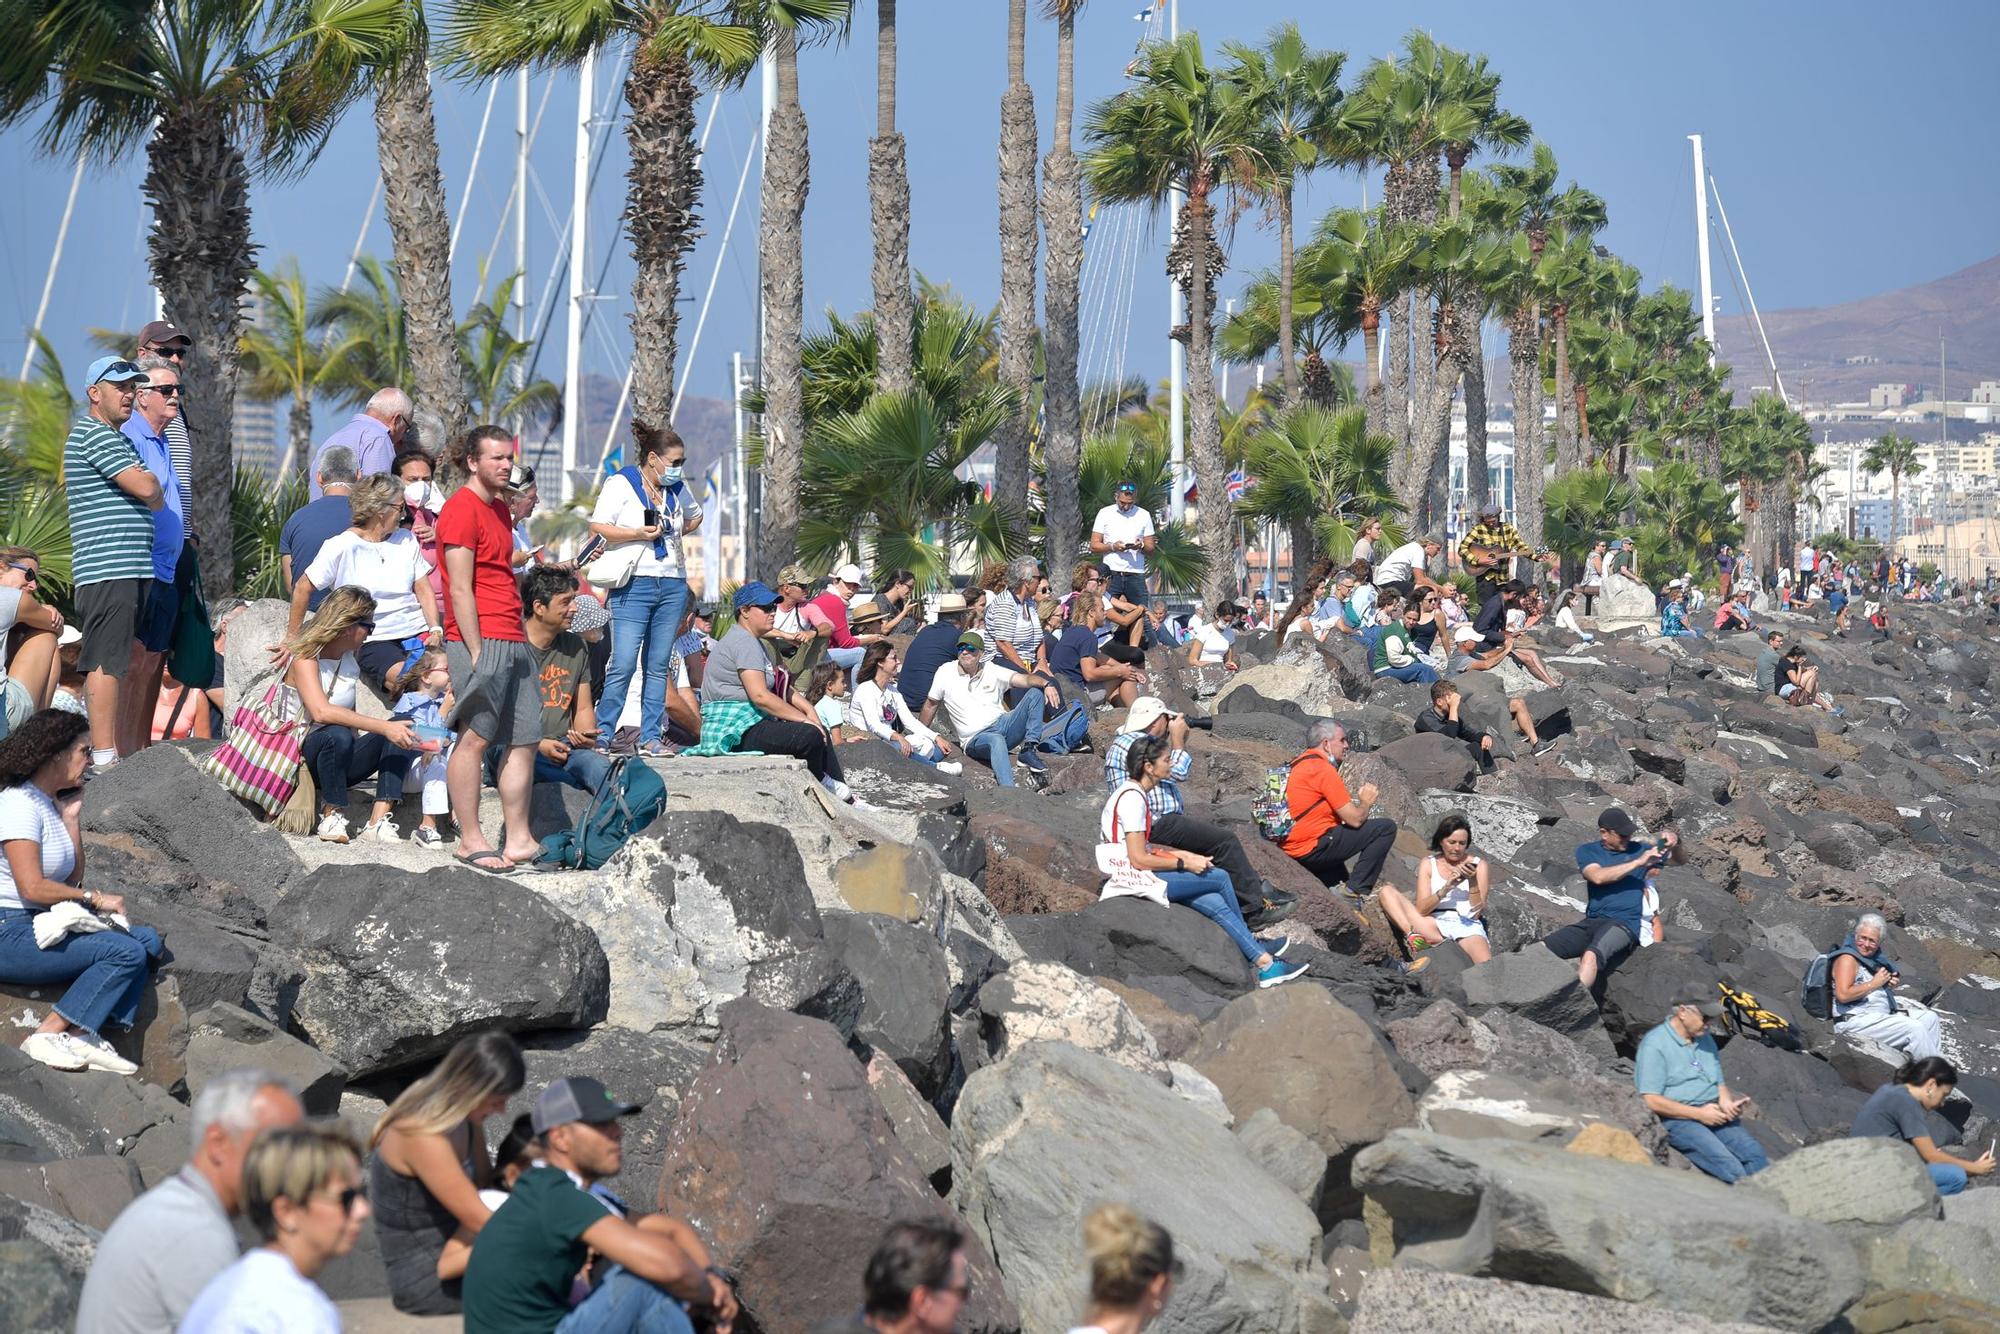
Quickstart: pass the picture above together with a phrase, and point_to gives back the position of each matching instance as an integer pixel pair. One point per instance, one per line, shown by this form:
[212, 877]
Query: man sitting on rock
[528, 1255]
[567, 753]
[915, 1283]
[1491, 623]
[933, 647]
[1679, 1074]
[1330, 826]
[1262, 904]
[1467, 656]
[974, 690]
[1614, 870]
[1442, 717]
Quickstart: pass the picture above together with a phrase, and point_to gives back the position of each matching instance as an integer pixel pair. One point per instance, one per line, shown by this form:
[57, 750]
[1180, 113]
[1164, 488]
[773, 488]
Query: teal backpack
[631, 799]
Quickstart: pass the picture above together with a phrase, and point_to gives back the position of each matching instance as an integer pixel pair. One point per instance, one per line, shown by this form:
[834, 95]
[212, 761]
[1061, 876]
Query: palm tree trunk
[1211, 469]
[780, 249]
[1017, 274]
[1288, 362]
[413, 196]
[1895, 506]
[1524, 358]
[201, 253]
[1568, 456]
[889, 207]
[1305, 550]
[662, 203]
[299, 430]
[1477, 484]
[1062, 222]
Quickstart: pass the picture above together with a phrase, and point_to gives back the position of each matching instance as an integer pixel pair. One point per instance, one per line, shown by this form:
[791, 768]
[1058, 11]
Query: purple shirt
[373, 450]
[169, 528]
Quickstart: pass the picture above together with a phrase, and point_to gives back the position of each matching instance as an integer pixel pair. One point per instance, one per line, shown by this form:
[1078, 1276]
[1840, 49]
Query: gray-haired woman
[1863, 1006]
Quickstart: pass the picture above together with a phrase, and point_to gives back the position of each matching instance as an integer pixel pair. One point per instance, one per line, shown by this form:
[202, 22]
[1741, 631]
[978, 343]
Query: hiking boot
[1278, 905]
[332, 828]
[1277, 973]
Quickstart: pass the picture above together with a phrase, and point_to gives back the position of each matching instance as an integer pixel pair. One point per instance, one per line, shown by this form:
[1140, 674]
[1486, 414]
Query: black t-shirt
[933, 647]
[1430, 720]
[1067, 652]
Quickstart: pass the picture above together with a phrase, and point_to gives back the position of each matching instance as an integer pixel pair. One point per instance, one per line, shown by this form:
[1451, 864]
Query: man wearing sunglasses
[156, 407]
[161, 339]
[112, 498]
[32, 668]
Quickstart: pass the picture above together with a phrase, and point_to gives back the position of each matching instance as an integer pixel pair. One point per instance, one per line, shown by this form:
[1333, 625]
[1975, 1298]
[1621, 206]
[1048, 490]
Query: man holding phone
[1679, 1074]
[1614, 871]
[1123, 535]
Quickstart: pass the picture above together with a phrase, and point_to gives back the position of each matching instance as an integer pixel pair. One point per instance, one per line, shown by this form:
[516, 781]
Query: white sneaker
[332, 828]
[382, 831]
[836, 789]
[101, 1054]
[55, 1050]
[952, 767]
[427, 837]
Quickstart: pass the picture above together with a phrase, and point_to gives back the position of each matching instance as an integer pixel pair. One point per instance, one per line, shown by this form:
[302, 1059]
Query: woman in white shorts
[1451, 895]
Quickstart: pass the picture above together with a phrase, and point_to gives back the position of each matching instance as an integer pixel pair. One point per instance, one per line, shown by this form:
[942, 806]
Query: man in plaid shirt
[1262, 904]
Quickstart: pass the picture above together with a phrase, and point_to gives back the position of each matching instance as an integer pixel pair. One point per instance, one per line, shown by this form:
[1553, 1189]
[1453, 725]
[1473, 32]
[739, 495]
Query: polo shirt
[1672, 1067]
[169, 524]
[1008, 620]
[1622, 900]
[527, 1255]
[373, 450]
[932, 648]
[973, 703]
[156, 1257]
[119, 527]
[1114, 525]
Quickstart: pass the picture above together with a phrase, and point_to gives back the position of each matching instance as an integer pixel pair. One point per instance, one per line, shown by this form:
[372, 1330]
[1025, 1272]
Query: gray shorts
[16, 705]
[500, 701]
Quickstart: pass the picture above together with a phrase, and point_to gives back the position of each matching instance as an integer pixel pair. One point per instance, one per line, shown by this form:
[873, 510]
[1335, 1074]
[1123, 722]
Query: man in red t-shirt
[493, 677]
[1330, 827]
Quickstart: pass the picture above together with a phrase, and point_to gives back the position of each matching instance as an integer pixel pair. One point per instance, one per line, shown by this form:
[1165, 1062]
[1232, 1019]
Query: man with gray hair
[373, 436]
[316, 521]
[1331, 827]
[159, 1253]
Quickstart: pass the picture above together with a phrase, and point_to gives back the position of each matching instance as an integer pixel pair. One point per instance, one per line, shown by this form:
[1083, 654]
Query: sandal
[1416, 943]
[485, 861]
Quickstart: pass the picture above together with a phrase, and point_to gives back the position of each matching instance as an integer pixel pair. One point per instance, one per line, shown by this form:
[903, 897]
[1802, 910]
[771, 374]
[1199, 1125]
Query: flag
[1089, 220]
[1194, 493]
[1236, 484]
[614, 458]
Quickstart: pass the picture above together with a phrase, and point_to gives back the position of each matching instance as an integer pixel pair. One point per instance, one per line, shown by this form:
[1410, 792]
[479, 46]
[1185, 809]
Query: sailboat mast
[1701, 249]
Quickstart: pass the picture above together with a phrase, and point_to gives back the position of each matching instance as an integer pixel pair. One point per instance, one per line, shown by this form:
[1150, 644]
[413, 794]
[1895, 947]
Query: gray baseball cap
[578, 1098]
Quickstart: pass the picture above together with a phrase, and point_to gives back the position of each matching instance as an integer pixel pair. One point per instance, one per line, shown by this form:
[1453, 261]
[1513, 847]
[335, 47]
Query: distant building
[1987, 392]
[255, 436]
[1889, 395]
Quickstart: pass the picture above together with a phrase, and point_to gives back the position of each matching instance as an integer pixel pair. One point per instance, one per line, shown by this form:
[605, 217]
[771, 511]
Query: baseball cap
[1145, 711]
[1430, 540]
[116, 370]
[705, 611]
[755, 594]
[578, 1098]
[972, 639]
[794, 574]
[849, 573]
[1617, 821]
[1702, 997]
[1133, 487]
[159, 333]
[587, 614]
[1465, 634]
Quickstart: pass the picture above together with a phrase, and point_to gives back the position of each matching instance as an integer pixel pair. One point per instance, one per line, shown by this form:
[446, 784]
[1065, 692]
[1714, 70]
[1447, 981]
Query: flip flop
[479, 861]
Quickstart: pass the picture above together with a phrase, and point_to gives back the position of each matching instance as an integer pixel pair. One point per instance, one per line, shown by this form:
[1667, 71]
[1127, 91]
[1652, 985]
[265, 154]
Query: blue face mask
[671, 475]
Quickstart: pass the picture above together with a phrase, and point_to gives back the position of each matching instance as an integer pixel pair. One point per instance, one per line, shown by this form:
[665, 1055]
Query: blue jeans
[1420, 673]
[1727, 1153]
[106, 970]
[340, 755]
[584, 769]
[626, 1304]
[1131, 587]
[923, 752]
[1019, 726]
[1949, 1178]
[1213, 896]
[645, 614]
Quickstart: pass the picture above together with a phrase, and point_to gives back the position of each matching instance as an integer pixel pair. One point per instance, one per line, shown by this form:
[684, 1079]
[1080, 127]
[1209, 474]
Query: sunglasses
[30, 571]
[172, 350]
[164, 390]
[366, 625]
[346, 1198]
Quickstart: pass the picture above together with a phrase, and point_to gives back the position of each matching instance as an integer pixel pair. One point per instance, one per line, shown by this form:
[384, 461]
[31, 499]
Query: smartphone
[649, 518]
[590, 550]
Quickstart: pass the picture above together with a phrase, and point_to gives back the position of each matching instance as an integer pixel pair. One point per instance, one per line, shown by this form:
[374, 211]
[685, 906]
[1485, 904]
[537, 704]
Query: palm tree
[216, 90]
[1897, 455]
[1062, 224]
[1687, 517]
[35, 417]
[1017, 269]
[889, 208]
[1178, 125]
[1584, 506]
[494, 360]
[1450, 261]
[370, 342]
[258, 509]
[284, 358]
[1320, 474]
[1760, 448]
[1295, 92]
[1130, 453]
[1563, 275]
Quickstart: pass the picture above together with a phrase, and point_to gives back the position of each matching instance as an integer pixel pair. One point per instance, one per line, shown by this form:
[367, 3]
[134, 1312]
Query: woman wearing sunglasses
[29, 631]
[345, 746]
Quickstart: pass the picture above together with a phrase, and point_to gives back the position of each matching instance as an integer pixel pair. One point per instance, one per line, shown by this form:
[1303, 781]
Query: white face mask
[420, 494]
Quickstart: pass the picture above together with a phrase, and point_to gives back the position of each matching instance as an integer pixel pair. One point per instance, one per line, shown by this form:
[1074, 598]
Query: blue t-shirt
[308, 529]
[934, 646]
[1622, 900]
[1069, 649]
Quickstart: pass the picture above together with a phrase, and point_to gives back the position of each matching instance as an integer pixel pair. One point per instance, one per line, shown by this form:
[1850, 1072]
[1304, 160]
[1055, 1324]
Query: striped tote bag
[260, 760]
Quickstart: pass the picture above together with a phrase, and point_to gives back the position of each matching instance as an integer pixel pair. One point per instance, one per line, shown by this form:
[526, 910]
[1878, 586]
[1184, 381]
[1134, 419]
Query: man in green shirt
[1679, 1074]
[529, 1253]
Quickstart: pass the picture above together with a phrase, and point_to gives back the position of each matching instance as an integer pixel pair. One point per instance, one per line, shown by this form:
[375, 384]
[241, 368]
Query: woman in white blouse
[345, 746]
[380, 555]
[879, 708]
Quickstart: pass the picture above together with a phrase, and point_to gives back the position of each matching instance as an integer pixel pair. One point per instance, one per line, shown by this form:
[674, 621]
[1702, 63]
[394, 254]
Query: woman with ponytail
[1896, 1111]
[1132, 1270]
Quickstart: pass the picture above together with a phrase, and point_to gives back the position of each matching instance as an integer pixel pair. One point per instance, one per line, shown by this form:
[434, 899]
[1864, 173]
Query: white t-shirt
[619, 504]
[1649, 909]
[1214, 641]
[973, 703]
[1396, 567]
[879, 711]
[260, 1293]
[340, 680]
[1125, 813]
[10, 611]
[390, 569]
[28, 812]
[1114, 526]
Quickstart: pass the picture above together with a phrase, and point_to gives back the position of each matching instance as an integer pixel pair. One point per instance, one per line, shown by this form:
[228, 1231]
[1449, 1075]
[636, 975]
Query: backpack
[1067, 731]
[1271, 808]
[1747, 1017]
[1816, 988]
[631, 799]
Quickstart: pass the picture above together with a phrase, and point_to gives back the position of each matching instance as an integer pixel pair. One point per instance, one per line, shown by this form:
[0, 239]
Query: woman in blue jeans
[643, 512]
[1190, 878]
[1897, 1111]
[41, 867]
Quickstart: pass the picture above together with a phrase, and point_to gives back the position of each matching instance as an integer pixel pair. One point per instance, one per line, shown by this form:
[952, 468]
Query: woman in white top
[377, 554]
[879, 709]
[41, 868]
[344, 746]
[302, 1193]
[1451, 895]
[1214, 643]
[1132, 1270]
[643, 512]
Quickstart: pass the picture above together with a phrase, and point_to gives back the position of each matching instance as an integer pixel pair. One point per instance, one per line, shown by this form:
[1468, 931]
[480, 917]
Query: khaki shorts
[500, 700]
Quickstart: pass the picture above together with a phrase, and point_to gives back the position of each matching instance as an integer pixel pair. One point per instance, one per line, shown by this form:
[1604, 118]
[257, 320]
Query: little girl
[826, 690]
[424, 708]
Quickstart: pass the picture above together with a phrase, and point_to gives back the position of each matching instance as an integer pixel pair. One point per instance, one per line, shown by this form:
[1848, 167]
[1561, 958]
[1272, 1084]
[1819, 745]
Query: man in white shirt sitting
[1403, 570]
[973, 692]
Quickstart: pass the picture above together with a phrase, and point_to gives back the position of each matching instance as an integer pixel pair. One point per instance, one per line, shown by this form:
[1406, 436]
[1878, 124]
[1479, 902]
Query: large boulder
[1950, 1259]
[1625, 604]
[46, 1115]
[1534, 984]
[1431, 761]
[394, 967]
[905, 979]
[1852, 1183]
[1676, 1240]
[1487, 1104]
[43, 1258]
[1047, 1002]
[1299, 676]
[1040, 1139]
[225, 1037]
[1135, 941]
[784, 1162]
[652, 1069]
[1420, 1301]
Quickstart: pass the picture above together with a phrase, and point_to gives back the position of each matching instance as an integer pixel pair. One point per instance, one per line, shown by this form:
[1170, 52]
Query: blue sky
[1843, 133]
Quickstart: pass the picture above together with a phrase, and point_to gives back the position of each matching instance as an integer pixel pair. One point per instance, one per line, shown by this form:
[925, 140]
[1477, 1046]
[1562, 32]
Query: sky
[1843, 136]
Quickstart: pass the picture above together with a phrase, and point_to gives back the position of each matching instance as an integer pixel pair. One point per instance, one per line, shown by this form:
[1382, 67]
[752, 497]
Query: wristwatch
[1179, 864]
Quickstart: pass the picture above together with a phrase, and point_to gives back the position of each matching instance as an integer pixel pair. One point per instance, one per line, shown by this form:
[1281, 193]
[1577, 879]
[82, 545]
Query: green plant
[1320, 474]
[1683, 518]
[35, 416]
[35, 514]
[1127, 454]
[1583, 507]
[258, 508]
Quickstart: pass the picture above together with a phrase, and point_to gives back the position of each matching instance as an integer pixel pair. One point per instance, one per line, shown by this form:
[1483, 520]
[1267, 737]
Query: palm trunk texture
[1211, 469]
[1288, 364]
[786, 181]
[662, 203]
[299, 431]
[1524, 356]
[1062, 410]
[889, 209]
[1017, 277]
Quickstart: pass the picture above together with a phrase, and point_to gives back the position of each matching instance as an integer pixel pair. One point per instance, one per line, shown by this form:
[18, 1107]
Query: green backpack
[631, 799]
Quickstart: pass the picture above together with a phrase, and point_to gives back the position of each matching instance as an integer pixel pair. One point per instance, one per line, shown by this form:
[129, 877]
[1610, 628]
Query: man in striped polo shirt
[111, 501]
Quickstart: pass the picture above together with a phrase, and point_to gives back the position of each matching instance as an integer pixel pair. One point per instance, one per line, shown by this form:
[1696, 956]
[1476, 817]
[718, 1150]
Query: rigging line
[472, 172]
[728, 228]
[1117, 341]
[506, 215]
[1106, 275]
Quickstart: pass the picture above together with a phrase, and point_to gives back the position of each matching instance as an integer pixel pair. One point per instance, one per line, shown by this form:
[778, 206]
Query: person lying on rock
[1263, 904]
[1450, 902]
[1863, 1006]
[1679, 1073]
[531, 1250]
[915, 1283]
[1170, 875]
[1465, 657]
[1614, 870]
[1896, 1111]
[1331, 827]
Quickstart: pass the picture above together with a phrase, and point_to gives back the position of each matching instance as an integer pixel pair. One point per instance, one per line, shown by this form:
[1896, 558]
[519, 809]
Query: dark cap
[1616, 821]
[578, 1098]
[1701, 996]
[159, 333]
[755, 594]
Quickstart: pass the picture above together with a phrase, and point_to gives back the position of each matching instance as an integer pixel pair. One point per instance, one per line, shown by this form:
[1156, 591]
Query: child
[69, 685]
[425, 707]
[826, 691]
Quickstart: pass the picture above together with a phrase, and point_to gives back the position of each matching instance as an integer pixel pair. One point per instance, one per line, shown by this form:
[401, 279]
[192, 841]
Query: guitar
[1482, 560]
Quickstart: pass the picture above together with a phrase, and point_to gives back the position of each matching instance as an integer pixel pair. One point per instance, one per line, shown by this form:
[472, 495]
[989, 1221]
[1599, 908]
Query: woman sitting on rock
[1862, 1005]
[1171, 875]
[1132, 1270]
[41, 881]
[880, 710]
[1451, 895]
[427, 1165]
[1896, 1111]
[380, 555]
[344, 746]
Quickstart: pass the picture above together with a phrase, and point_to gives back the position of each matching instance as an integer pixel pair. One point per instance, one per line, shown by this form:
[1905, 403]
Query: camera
[1202, 724]
[649, 517]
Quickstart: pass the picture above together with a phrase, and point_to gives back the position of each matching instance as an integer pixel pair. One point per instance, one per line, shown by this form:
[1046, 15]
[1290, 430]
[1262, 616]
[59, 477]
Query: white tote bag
[1121, 878]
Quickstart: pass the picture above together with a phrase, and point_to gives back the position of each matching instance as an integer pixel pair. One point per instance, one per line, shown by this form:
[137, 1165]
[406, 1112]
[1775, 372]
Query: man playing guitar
[1487, 551]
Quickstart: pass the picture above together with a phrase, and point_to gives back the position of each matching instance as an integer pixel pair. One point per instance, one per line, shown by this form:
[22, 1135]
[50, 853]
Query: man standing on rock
[1262, 904]
[1614, 870]
[1122, 534]
[1330, 827]
[1679, 1074]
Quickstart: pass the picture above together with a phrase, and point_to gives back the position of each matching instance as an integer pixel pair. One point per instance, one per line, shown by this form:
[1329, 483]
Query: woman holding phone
[1451, 895]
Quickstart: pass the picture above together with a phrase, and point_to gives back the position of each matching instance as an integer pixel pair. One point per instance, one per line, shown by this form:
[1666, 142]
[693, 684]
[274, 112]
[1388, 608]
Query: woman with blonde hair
[345, 746]
[427, 1164]
[1132, 1270]
[302, 1193]
[377, 553]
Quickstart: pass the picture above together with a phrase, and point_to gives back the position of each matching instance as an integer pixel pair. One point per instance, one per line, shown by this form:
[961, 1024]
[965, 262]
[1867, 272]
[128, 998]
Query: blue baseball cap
[116, 370]
[755, 594]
